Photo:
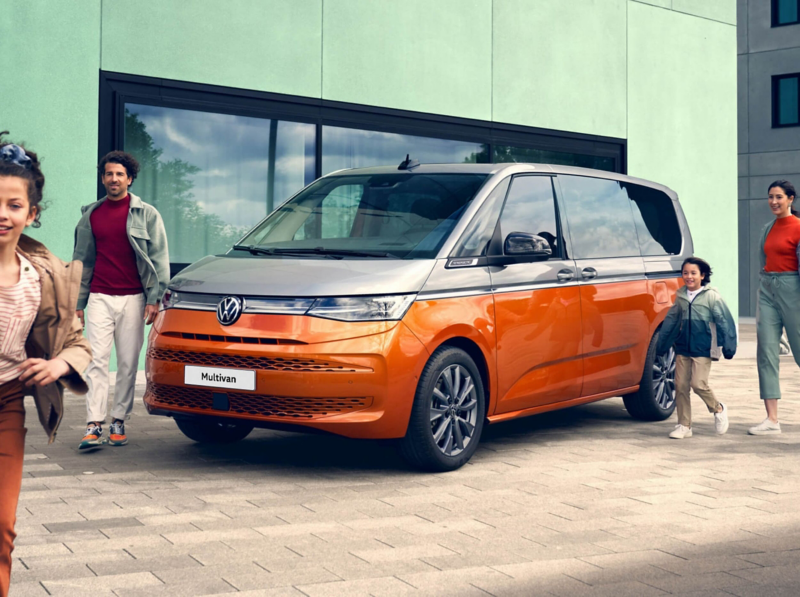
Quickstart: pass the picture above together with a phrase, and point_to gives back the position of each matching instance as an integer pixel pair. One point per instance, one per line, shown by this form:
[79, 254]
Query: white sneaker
[765, 427]
[721, 420]
[681, 432]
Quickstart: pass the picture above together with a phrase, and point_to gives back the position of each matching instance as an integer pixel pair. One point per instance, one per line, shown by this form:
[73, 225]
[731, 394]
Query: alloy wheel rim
[664, 379]
[454, 410]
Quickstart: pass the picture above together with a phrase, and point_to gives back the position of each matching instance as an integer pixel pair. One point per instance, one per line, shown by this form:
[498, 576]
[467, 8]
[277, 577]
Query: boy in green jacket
[700, 327]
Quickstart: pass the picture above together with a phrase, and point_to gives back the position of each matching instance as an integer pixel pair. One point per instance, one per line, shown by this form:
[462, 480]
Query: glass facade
[357, 148]
[509, 153]
[215, 173]
[213, 176]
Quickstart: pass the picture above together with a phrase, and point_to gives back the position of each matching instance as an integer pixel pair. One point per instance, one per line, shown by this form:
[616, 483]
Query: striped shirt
[19, 305]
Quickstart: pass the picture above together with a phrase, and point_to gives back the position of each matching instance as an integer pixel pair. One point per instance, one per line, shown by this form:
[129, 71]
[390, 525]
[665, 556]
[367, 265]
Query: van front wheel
[655, 399]
[448, 413]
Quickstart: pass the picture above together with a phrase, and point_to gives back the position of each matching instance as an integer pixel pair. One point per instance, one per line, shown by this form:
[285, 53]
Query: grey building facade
[769, 122]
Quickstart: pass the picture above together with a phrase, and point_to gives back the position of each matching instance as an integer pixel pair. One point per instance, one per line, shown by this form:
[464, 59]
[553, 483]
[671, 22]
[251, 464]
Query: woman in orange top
[778, 298]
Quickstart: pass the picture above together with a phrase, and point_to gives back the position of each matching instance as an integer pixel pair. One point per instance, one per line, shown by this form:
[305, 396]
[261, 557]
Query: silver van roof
[516, 167]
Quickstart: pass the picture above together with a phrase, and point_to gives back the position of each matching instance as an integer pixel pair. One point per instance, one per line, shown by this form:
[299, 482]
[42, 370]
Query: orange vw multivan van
[422, 302]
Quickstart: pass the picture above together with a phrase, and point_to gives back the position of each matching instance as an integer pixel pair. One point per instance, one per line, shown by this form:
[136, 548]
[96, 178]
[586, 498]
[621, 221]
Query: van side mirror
[522, 244]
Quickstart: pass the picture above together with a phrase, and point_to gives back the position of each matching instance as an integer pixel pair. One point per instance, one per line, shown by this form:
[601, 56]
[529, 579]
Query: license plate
[219, 377]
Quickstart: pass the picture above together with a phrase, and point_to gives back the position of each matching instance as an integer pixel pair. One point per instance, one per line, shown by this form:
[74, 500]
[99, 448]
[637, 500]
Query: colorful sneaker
[116, 434]
[93, 437]
[765, 427]
[681, 432]
[721, 420]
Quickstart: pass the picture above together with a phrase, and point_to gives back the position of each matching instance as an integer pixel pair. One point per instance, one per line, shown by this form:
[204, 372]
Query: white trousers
[117, 320]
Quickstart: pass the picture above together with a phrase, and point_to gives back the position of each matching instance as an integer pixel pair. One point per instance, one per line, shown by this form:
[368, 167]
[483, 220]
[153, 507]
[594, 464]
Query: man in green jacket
[122, 244]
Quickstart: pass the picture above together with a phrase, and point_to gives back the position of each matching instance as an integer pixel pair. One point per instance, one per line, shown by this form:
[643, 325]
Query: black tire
[213, 432]
[456, 415]
[655, 398]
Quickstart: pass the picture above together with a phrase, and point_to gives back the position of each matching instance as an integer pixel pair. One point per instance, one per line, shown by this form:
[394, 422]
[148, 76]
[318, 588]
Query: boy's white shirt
[690, 294]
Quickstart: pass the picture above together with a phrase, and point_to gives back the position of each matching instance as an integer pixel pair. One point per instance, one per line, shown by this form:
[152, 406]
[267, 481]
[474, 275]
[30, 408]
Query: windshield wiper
[381, 254]
[332, 253]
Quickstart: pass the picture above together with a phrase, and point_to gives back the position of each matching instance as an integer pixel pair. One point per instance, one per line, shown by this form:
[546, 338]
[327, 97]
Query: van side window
[656, 222]
[600, 218]
[530, 207]
[476, 238]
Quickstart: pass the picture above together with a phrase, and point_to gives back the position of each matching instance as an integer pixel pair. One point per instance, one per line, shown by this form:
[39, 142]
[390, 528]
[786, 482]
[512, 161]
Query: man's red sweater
[115, 270]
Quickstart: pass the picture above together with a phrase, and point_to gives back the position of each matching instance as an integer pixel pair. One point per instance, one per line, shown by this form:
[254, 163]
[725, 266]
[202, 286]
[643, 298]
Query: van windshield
[400, 216]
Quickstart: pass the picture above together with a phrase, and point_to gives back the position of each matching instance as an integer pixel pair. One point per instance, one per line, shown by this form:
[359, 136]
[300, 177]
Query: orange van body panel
[358, 379]
[361, 386]
[617, 324]
[538, 347]
[435, 322]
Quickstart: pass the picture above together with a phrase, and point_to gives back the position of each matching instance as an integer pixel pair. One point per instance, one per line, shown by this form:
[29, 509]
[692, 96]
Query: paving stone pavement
[584, 502]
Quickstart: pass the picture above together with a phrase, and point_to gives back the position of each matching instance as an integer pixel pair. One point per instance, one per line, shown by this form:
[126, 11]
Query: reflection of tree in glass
[167, 184]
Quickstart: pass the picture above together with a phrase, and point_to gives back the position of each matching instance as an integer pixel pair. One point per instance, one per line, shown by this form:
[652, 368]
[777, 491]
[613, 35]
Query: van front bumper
[352, 379]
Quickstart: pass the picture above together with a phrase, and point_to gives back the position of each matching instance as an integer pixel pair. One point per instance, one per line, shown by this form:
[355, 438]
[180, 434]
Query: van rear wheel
[213, 432]
[655, 399]
[448, 413]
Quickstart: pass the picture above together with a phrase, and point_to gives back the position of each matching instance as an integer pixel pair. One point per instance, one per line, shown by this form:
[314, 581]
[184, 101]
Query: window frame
[774, 15]
[497, 244]
[118, 89]
[776, 79]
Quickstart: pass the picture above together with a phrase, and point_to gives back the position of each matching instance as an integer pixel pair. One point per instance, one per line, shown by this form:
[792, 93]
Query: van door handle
[587, 273]
[565, 275]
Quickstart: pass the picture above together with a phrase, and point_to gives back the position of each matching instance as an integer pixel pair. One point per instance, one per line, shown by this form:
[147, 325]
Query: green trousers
[778, 309]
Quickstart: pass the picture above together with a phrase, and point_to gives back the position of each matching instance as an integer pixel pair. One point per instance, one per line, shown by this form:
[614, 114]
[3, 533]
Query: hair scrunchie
[14, 154]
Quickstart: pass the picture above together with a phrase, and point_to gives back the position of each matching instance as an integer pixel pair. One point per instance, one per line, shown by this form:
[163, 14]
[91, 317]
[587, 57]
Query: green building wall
[659, 73]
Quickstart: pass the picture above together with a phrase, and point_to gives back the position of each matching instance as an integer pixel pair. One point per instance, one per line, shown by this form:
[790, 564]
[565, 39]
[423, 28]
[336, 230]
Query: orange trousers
[12, 448]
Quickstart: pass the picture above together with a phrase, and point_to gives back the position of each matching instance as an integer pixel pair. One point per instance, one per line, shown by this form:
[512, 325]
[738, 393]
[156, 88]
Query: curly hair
[126, 160]
[702, 265]
[33, 177]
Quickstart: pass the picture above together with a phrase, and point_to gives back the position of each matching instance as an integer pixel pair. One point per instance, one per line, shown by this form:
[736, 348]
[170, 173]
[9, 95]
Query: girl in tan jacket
[42, 348]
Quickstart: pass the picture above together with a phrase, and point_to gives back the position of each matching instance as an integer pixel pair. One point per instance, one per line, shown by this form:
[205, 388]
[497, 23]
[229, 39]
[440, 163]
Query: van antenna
[408, 163]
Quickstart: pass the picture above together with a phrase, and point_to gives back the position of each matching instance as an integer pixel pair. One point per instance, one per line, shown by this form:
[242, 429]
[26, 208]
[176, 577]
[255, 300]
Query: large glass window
[214, 176]
[600, 218]
[530, 207]
[509, 153]
[785, 12]
[656, 223]
[786, 100]
[356, 148]
[388, 215]
[214, 173]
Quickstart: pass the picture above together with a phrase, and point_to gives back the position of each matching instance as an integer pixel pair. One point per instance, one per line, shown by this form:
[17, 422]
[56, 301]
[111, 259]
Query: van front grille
[233, 339]
[251, 362]
[257, 405]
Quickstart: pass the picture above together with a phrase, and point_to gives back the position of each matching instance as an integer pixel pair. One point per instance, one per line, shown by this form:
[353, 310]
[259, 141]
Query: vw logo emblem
[229, 309]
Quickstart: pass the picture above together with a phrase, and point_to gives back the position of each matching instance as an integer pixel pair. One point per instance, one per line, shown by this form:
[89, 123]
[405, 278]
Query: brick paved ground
[582, 502]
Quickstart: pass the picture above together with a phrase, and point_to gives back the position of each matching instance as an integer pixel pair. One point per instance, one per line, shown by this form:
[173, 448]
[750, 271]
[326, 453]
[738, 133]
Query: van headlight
[168, 300]
[363, 308]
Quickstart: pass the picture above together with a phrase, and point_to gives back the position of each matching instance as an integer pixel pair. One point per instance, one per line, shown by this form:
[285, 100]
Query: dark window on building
[785, 12]
[656, 223]
[530, 208]
[786, 100]
[217, 160]
[600, 218]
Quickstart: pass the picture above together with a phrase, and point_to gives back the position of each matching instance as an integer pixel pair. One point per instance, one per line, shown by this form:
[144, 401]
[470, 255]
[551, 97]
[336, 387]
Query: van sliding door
[616, 305]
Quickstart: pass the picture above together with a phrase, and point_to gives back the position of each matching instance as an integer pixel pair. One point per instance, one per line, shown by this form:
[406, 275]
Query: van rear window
[656, 222]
